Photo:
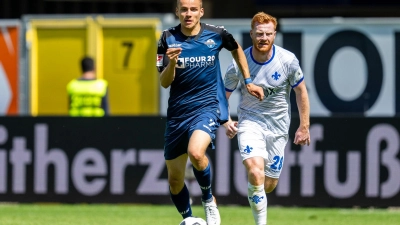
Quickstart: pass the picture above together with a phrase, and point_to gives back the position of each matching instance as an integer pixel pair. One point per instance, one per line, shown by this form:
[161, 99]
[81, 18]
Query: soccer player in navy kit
[188, 62]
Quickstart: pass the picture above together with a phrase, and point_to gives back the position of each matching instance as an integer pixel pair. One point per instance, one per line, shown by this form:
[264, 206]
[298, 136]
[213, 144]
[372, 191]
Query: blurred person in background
[188, 62]
[264, 126]
[88, 95]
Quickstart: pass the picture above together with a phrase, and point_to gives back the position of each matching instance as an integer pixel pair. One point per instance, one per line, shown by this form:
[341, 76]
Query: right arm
[231, 81]
[168, 74]
[230, 125]
[166, 61]
[240, 58]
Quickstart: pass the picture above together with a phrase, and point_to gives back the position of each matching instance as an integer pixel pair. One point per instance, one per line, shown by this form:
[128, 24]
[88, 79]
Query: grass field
[59, 214]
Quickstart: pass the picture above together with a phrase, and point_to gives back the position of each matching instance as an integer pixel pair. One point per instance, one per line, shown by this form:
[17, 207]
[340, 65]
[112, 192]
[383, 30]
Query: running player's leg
[178, 190]
[274, 162]
[175, 154]
[203, 131]
[255, 190]
[252, 149]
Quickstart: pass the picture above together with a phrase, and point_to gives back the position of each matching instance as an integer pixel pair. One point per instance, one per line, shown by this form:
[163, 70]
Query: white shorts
[255, 141]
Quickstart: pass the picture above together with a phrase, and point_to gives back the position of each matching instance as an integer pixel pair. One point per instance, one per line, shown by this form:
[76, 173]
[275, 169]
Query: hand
[173, 54]
[231, 128]
[256, 91]
[302, 136]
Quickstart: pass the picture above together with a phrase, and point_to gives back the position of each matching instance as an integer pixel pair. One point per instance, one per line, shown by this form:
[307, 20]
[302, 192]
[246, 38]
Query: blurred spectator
[88, 96]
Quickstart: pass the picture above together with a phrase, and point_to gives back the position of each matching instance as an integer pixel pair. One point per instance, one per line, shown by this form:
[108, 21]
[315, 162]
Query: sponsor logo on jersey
[174, 45]
[160, 58]
[210, 43]
[197, 61]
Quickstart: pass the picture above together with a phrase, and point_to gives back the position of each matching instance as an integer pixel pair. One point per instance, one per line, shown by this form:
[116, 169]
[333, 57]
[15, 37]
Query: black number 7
[129, 46]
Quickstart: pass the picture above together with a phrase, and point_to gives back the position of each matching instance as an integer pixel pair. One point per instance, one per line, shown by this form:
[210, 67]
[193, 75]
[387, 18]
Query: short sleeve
[228, 41]
[231, 79]
[162, 60]
[296, 75]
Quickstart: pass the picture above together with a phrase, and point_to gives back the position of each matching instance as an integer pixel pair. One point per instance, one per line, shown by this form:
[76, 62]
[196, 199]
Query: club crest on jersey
[276, 76]
[210, 43]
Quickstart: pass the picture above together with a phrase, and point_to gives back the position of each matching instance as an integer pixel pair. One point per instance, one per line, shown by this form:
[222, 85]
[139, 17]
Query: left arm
[302, 135]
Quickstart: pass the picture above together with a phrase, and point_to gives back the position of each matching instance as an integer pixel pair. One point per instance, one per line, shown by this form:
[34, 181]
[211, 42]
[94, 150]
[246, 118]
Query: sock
[182, 202]
[204, 180]
[258, 203]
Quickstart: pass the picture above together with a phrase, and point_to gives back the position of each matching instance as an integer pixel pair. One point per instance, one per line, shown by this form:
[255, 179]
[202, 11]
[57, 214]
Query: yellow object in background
[59, 54]
[129, 66]
[124, 51]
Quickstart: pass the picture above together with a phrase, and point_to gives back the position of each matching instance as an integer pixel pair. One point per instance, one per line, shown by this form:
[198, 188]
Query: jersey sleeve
[162, 60]
[231, 79]
[296, 75]
[228, 41]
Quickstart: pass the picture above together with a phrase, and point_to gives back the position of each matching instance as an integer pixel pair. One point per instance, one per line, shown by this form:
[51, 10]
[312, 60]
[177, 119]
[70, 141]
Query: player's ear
[201, 12]
[251, 34]
[176, 12]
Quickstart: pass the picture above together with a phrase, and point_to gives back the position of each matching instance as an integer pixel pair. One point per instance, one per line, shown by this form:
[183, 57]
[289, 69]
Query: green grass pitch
[110, 214]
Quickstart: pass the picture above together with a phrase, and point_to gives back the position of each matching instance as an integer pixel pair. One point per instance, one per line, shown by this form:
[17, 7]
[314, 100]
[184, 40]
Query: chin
[265, 49]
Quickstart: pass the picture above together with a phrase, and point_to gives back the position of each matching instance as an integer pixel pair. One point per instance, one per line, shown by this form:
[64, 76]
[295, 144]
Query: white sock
[258, 203]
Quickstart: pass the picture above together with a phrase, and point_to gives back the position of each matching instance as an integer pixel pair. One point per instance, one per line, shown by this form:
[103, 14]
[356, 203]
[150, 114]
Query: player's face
[189, 13]
[263, 36]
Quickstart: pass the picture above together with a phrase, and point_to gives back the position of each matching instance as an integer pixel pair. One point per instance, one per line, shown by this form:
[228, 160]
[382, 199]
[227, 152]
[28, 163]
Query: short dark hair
[87, 64]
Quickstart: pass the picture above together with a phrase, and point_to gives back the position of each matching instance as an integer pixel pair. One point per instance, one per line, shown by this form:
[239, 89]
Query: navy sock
[204, 180]
[182, 202]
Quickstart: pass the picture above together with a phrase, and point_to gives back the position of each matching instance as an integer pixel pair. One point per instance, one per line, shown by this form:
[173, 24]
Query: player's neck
[261, 57]
[191, 32]
[89, 75]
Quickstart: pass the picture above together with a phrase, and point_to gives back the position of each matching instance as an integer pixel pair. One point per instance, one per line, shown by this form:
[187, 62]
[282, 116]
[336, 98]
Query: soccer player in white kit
[263, 126]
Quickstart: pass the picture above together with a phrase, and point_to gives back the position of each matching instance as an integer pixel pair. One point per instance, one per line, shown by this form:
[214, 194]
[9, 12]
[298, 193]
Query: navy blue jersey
[198, 86]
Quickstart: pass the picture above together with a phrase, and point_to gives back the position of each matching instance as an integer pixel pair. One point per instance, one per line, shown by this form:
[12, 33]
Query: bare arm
[241, 61]
[302, 135]
[168, 74]
[230, 125]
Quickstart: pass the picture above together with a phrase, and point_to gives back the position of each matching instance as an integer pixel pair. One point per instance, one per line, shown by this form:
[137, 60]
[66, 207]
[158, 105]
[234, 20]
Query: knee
[176, 184]
[256, 175]
[198, 159]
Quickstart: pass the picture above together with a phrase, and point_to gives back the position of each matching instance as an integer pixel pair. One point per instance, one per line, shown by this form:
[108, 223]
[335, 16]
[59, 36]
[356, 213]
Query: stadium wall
[350, 162]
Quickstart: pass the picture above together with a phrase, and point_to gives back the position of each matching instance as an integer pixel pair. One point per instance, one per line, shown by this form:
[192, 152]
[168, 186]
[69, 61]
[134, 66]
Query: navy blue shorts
[178, 133]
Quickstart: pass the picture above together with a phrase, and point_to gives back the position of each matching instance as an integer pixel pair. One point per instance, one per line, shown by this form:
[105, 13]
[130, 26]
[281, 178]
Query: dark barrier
[350, 162]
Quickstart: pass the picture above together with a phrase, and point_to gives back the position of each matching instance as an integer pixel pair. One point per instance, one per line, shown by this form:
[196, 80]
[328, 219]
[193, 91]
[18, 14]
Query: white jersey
[277, 77]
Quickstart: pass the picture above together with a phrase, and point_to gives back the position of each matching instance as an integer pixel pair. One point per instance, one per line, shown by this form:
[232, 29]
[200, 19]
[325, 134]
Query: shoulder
[214, 28]
[170, 31]
[284, 54]
[102, 81]
[283, 51]
[247, 51]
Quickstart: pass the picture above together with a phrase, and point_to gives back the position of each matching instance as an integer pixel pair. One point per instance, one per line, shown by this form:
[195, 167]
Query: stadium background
[349, 49]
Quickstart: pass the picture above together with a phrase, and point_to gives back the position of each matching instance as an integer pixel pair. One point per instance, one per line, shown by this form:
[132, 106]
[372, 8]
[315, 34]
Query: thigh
[251, 141]
[175, 139]
[206, 122]
[275, 149]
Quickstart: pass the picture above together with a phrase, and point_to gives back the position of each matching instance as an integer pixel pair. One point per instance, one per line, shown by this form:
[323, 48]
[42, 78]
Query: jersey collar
[264, 63]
